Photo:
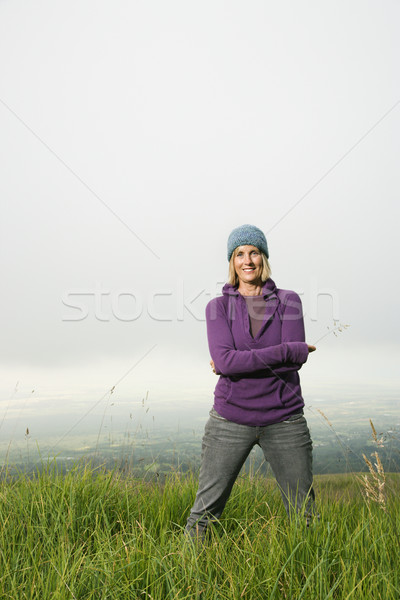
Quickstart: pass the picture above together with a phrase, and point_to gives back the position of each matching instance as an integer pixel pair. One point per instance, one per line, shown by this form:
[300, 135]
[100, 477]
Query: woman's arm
[229, 361]
[292, 328]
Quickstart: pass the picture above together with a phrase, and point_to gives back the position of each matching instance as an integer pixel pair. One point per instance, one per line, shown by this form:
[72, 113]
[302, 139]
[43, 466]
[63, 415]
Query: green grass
[93, 534]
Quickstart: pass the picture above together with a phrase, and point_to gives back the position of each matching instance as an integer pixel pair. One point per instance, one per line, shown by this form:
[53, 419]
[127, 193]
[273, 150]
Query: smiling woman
[257, 345]
[248, 261]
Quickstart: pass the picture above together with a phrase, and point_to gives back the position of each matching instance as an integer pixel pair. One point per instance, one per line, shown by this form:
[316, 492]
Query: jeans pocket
[213, 413]
[294, 418]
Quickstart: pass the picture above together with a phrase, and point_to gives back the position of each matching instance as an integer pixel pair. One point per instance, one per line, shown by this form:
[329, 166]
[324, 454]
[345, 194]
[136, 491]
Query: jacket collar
[269, 289]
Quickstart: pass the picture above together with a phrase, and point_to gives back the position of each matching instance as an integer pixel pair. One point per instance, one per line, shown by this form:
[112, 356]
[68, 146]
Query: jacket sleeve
[230, 361]
[292, 329]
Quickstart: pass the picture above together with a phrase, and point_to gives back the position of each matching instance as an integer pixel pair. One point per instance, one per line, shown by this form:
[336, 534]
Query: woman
[256, 339]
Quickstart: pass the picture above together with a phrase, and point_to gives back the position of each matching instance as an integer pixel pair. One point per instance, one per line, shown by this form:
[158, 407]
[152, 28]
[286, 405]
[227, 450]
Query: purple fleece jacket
[259, 382]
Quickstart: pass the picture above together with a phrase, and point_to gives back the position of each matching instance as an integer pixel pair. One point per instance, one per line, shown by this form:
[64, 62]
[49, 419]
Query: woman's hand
[311, 348]
[213, 366]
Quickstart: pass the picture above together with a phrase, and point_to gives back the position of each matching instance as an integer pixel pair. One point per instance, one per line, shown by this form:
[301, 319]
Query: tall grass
[91, 534]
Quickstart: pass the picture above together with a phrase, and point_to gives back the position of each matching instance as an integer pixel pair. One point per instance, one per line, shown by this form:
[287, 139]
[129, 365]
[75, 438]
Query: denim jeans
[287, 447]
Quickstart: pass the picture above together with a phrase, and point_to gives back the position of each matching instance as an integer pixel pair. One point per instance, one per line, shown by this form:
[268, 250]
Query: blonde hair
[233, 279]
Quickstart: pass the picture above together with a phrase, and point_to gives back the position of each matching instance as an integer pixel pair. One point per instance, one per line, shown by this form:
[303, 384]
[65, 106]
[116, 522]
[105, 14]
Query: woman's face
[248, 264]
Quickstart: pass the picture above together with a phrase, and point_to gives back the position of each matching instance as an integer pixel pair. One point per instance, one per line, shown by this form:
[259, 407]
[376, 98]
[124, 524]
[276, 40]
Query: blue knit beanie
[247, 235]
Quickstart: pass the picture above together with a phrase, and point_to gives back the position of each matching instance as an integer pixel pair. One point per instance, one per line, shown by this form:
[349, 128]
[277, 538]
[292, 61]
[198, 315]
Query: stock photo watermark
[171, 304]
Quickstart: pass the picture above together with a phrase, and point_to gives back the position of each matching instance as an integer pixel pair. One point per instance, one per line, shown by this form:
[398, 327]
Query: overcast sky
[136, 135]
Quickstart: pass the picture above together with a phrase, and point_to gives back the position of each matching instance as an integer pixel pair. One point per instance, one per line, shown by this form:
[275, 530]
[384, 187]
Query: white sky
[172, 122]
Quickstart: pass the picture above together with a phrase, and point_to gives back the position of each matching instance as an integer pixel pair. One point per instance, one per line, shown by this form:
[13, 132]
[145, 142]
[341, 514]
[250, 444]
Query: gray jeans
[287, 447]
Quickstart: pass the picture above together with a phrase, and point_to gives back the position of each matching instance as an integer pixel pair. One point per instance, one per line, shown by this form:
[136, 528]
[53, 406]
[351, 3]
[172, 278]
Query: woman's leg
[226, 446]
[287, 446]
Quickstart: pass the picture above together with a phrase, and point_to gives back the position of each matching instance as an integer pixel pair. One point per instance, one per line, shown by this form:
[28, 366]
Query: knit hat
[247, 235]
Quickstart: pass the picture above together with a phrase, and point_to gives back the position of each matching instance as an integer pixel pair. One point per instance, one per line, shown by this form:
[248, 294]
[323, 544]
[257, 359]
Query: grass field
[97, 534]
